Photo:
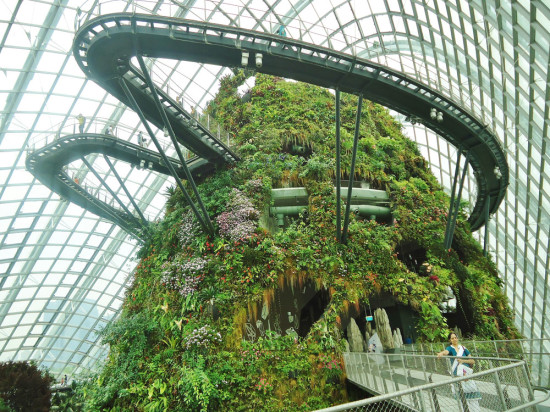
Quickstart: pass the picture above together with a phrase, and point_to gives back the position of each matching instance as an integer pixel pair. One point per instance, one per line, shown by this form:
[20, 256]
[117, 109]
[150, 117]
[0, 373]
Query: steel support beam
[169, 165]
[338, 172]
[452, 201]
[104, 183]
[111, 166]
[455, 204]
[485, 242]
[352, 171]
[168, 126]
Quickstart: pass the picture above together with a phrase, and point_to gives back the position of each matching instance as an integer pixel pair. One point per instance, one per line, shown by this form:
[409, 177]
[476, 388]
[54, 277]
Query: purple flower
[240, 219]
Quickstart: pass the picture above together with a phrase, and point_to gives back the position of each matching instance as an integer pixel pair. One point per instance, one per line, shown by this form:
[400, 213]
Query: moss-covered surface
[179, 343]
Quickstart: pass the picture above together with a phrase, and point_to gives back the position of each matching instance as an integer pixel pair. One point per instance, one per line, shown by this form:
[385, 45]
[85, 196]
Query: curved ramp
[47, 164]
[104, 46]
[424, 383]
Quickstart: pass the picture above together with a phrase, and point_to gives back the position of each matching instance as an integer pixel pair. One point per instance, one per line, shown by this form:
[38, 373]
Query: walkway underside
[48, 163]
[104, 46]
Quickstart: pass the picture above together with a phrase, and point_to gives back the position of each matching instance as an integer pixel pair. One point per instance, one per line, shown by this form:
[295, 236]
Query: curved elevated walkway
[423, 383]
[104, 46]
[47, 165]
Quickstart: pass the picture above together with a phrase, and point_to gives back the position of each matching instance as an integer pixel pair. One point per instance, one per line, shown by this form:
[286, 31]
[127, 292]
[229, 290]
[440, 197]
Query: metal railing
[536, 352]
[238, 15]
[291, 25]
[423, 383]
[96, 125]
[119, 130]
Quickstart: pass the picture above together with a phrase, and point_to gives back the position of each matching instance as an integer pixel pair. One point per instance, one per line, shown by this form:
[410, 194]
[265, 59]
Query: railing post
[433, 393]
[365, 369]
[369, 375]
[403, 363]
[383, 381]
[521, 395]
[462, 398]
[389, 370]
[498, 387]
[424, 368]
[527, 380]
[419, 397]
[414, 396]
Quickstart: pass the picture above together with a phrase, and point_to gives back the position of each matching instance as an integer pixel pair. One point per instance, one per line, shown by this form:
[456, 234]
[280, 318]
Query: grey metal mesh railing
[423, 383]
[125, 132]
[536, 352]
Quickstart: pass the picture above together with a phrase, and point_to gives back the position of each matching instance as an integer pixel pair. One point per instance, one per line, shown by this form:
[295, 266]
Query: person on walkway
[460, 358]
[141, 139]
[81, 122]
[110, 130]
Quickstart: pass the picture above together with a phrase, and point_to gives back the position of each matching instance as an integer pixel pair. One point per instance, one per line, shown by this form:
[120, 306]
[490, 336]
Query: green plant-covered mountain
[255, 317]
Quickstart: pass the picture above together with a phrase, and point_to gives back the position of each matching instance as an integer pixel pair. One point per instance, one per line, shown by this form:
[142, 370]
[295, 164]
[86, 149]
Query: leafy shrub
[24, 387]
[202, 337]
[184, 276]
[180, 342]
[240, 219]
[189, 228]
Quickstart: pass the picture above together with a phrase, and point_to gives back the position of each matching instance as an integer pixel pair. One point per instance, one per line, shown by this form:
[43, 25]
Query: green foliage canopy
[179, 344]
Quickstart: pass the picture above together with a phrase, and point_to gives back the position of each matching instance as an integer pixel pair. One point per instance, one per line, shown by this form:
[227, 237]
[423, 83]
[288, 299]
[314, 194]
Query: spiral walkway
[104, 47]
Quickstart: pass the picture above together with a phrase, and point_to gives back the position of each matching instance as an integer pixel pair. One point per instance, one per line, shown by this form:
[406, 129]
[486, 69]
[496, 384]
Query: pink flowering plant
[330, 365]
[202, 337]
[184, 276]
[240, 219]
[189, 228]
[263, 385]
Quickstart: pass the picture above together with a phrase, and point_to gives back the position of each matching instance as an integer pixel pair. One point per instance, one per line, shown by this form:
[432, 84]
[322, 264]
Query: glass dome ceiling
[63, 270]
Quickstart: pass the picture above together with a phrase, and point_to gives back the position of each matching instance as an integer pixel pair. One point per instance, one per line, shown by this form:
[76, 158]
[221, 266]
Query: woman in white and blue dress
[461, 362]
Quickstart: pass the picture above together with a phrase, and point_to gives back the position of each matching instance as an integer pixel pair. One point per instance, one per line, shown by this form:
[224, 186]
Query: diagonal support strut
[454, 207]
[117, 176]
[136, 108]
[104, 183]
[487, 217]
[338, 172]
[168, 127]
[352, 171]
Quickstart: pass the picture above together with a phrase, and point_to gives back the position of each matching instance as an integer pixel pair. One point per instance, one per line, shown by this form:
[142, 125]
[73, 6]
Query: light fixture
[165, 132]
[259, 59]
[497, 172]
[433, 113]
[439, 117]
[244, 58]
[413, 119]
[122, 65]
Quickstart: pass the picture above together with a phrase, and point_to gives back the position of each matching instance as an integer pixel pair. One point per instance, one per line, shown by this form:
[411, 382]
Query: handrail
[97, 125]
[222, 44]
[294, 28]
[538, 362]
[121, 130]
[387, 397]
[504, 387]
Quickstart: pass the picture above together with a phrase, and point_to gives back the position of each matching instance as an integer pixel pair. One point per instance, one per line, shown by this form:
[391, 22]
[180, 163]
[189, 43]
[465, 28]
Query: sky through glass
[63, 270]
